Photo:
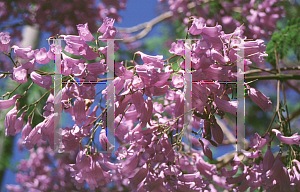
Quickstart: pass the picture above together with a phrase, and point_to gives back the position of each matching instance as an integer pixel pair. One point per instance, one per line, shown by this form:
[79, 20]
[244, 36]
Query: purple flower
[10, 120]
[178, 81]
[26, 129]
[130, 164]
[216, 72]
[258, 142]
[197, 26]
[227, 106]
[292, 140]
[206, 169]
[217, 133]
[4, 41]
[158, 108]
[106, 145]
[34, 136]
[238, 179]
[23, 53]
[84, 32]
[97, 68]
[78, 70]
[167, 148]
[276, 169]
[122, 72]
[110, 33]
[137, 83]
[219, 58]
[138, 177]
[42, 81]
[41, 56]
[75, 45]
[104, 49]
[88, 168]
[90, 54]
[156, 91]
[29, 65]
[19, 123]
[5, 104]
[156, 60]
[20, 74]
[252, 155]
[107, 22]
[202, 46]
[260, 99]
[268, 160]
[178, 48]
[79, 111]
[229, 173]
[206, 150]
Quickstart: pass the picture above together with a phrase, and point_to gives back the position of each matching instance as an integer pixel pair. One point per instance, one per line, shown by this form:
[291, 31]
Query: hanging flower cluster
[148, 129]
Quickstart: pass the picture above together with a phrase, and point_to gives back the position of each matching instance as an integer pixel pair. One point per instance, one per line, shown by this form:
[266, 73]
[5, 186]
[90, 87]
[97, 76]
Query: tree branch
[147, 26]
[272, 77]
[258, 70]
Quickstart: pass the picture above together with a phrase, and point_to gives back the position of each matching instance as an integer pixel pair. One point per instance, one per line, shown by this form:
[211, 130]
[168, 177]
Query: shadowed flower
[217, 133]
[268, 160]
[138, 177]
[240, 178]
[206, 150]
[79, 111]
[259, 99]
[34, 136]
[227, 106]
[106, 145]
[88, 168]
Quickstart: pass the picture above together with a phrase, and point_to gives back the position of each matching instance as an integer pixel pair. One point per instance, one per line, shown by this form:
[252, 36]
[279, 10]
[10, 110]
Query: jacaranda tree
[159, 120]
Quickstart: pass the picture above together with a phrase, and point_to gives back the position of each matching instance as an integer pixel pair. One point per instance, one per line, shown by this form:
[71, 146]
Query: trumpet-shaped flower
[292, 140]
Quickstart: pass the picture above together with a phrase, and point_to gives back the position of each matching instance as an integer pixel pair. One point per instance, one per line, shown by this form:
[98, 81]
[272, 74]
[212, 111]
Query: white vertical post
[188, 96]
[57, 96]
[110, 130]
[240, 118]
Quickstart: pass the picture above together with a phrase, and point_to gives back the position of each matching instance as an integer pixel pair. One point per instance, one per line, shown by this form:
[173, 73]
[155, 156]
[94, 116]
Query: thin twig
[278, 87]
[269, 70]
[273, 77]
[270, 125]
[147, 26]
[287, 111]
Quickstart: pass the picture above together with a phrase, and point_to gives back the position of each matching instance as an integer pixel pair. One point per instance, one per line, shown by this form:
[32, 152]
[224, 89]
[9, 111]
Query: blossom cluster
[61, 16]
[259, 18]
[148, 129]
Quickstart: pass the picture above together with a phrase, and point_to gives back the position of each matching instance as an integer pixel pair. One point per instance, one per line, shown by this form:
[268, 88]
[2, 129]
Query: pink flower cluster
[259, 18]
[149, 129]
[61, 16]
[270, 173]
